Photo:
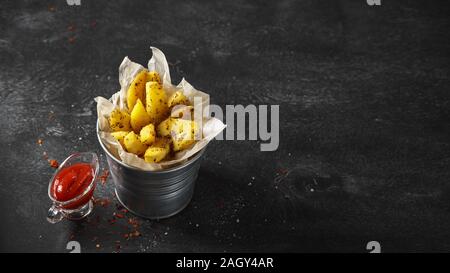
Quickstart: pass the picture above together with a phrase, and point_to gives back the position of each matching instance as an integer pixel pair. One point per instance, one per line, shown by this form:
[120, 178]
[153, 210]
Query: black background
[364, 121]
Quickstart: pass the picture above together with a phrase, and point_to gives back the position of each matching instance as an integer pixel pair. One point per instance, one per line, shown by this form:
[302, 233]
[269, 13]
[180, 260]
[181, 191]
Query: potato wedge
[119, 121]
[177, 98]
[148, 134]
[139, 117]
[119, 135]
[133, 144]
[158, 151]
[153, 76]
[154, 154]
[163, 129]
[156, 102]
[136, 90]
[183, 133]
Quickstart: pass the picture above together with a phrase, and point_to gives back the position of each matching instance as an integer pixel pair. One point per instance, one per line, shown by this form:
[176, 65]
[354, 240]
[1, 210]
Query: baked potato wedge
[156, 102]
[148, 134]
[119, 121]
[158, 151]
[153, 76]
[139, 117]
[163, 129]
[154, 154]
[133, 144]
[119, 135]
[177, 98]
[136, 90]
[183, 133]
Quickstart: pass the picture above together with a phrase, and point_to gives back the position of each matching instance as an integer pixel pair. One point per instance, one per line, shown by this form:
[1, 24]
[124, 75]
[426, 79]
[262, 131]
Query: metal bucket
[153, 194]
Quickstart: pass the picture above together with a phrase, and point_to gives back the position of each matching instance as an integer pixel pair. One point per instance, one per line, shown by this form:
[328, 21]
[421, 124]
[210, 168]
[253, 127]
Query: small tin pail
[153, 194]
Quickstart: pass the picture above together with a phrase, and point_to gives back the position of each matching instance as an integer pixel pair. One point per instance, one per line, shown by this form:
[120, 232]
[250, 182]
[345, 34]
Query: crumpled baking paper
[211, 127]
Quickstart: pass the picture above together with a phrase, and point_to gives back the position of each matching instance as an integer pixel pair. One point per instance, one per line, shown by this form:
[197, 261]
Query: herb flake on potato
[119, 121]
[177, 98]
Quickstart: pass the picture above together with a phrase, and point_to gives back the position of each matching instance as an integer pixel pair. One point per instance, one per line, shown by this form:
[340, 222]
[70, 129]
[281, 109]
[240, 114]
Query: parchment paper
[211, 127]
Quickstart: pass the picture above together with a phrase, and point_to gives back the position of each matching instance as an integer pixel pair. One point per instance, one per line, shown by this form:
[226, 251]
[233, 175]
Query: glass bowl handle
[54, 214]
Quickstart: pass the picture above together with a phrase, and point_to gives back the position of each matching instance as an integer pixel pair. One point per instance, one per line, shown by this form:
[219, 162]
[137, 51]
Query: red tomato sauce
[72, 181]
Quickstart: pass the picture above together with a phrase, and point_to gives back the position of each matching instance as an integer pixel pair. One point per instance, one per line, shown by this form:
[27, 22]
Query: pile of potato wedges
[156, 125]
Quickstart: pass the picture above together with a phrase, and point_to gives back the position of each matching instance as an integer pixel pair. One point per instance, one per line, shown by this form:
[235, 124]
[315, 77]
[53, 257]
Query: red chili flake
[71, 40]
[104, 177]
[40, 141]
[124, 210]
[53, 163]
[118, 215]
[112, 221]
[126, 235]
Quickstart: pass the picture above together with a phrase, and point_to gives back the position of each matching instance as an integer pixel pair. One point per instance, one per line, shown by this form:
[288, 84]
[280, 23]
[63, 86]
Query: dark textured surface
[364, 119]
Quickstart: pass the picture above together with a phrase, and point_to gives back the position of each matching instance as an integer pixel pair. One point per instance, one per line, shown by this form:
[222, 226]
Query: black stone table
[364, 121]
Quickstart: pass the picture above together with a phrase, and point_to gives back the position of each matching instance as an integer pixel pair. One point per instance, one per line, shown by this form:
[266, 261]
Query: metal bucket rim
[190, 160]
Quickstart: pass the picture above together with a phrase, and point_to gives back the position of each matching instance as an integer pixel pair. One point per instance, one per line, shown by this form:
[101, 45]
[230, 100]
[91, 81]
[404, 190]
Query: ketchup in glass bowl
[72, 187]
